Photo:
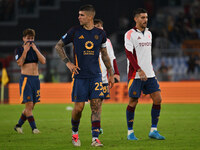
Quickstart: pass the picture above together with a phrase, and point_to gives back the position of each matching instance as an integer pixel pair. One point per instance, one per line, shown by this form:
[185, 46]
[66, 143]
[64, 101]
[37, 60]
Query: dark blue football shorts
[29, 89]
[136, 86]
[87, 89]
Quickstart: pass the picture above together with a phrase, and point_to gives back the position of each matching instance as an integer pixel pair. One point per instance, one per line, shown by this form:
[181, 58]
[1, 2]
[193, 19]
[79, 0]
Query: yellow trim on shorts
[72, 83]
[130, 83]
[23, 86]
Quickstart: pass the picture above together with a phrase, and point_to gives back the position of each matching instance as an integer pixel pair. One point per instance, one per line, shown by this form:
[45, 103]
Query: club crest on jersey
[96, 37]
[89, 45]
[81, 37]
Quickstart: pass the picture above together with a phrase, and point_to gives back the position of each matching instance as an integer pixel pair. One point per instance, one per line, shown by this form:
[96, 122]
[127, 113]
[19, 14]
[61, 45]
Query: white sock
[94, 138]
[153, 128]
[130, 131]
[74, 132]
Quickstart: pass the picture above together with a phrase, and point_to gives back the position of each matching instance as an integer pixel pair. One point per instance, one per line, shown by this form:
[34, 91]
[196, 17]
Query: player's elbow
[43, 61]
[19, 63]
[58, 46]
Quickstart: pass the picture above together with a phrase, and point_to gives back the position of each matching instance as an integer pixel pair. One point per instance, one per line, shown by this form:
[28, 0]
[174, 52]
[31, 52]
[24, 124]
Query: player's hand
[74, 69]
[111, 81]
[142, 75]
[116, 78]
[27, 46]
[33, 46]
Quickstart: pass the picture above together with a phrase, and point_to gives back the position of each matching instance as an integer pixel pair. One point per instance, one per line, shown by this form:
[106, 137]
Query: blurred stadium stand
[175, 25]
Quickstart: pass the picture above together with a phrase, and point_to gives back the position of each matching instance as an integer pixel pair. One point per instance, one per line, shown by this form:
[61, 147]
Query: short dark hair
[87, 7]
[139, 11]
[29, 32]
[97, 21]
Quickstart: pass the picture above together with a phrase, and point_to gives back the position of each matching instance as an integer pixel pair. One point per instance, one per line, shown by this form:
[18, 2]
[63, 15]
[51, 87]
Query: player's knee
[79, 109]
[133, 101]
[158, 101]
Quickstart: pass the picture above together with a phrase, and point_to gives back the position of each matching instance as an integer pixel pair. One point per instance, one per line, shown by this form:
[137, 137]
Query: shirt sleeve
[104, 39]
[18, 53]
[68, 37]
[129, 47]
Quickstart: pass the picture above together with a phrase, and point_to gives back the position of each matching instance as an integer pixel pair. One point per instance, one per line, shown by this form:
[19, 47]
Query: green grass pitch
[179, 123]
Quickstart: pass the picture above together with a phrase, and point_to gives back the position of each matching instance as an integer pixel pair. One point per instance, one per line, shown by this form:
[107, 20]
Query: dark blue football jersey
[87, 44]
[31, 56]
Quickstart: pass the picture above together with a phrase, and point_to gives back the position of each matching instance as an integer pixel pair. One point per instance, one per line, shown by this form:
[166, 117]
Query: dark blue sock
[130, 111]
[96, 128]
[155, 113]
[75, 125]
[21, 120]
[31, 121]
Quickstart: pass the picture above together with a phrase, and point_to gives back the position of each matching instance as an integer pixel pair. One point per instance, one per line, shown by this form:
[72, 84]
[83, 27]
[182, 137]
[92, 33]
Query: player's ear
[135, 19]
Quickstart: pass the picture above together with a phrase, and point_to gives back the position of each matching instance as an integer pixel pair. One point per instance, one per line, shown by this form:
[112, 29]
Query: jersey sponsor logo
[145, 44]
[89, 45]
[96, 37]
[81, 37]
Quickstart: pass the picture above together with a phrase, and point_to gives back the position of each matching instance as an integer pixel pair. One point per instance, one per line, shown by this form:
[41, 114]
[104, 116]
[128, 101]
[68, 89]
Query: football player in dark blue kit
[88, 42]
[27, 57]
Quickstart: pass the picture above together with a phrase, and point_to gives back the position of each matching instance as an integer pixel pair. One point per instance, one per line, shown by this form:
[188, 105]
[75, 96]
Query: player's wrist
[139, 70]
[66, 60]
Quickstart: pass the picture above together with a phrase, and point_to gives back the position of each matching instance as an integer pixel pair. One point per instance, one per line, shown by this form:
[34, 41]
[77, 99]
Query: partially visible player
[99, 24]
[141, 76]
[27, 57]
[88, 42]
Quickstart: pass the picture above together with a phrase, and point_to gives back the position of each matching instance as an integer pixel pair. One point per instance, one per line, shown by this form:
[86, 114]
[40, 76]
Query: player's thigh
[36, 89]
[151, 86]
[135, 88]
[25, 90]
[96, 88]
[80, 90]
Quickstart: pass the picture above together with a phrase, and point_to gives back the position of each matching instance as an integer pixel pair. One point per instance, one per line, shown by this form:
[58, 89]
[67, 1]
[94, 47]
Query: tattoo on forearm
[95, 105]
[60, 50]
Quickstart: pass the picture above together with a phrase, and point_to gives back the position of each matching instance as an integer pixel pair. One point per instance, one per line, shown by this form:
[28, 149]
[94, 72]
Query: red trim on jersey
[133, 67]
[115, 66]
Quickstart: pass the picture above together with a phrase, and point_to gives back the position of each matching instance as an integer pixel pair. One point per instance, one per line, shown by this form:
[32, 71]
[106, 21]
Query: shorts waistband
[30, 76]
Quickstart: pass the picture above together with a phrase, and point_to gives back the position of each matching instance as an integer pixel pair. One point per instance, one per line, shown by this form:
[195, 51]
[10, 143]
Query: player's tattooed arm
[60, 50]
[95, 105]
[106, 60]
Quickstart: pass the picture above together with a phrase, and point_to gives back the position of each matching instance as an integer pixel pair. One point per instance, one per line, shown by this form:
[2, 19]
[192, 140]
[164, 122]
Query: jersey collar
[137, 30]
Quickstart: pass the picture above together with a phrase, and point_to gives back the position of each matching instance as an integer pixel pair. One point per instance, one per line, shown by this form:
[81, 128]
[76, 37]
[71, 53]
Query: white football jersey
[139, 44]
[111, 54]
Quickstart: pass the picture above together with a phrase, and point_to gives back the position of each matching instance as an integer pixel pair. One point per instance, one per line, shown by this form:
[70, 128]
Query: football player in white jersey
[141, 76]
[99, 24]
